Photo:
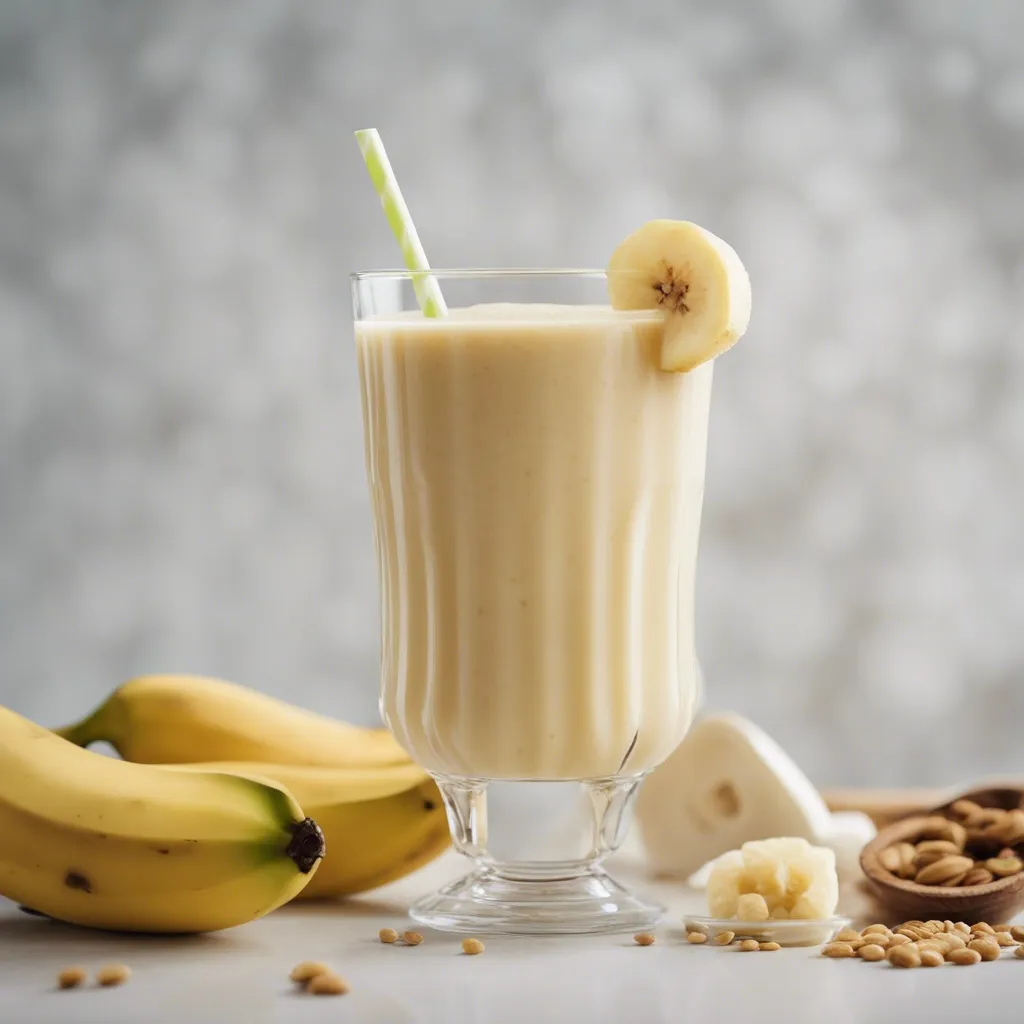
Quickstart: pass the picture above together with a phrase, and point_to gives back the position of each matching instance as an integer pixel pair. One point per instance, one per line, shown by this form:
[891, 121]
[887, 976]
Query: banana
[691, 275]
[379, 824]
[96, 841]
[177, 719]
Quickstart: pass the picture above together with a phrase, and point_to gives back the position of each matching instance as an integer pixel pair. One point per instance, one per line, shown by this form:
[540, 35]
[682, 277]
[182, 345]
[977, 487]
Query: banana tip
[307, 845]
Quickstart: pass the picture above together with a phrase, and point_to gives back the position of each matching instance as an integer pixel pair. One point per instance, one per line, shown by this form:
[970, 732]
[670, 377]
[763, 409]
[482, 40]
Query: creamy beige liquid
[536, 485]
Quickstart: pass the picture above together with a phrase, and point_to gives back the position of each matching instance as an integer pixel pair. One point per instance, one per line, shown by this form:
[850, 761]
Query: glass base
[558, 887]
[485, 901]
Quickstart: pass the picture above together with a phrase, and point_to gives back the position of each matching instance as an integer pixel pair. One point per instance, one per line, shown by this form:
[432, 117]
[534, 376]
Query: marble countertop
[242, 975]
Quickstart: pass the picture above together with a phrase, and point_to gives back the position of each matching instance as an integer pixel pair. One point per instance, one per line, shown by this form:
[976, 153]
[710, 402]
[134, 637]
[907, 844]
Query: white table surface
[242, 975]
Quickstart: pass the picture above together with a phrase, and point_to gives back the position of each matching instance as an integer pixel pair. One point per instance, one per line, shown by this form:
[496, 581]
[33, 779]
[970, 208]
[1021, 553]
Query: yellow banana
[97, 841]
[379, 824]
[179, 719]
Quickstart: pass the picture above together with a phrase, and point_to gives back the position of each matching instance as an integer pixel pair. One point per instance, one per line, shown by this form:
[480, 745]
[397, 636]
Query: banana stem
[81, 733]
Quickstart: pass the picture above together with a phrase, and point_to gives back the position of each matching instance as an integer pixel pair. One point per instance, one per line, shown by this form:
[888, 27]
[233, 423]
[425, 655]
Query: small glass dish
[784, 932]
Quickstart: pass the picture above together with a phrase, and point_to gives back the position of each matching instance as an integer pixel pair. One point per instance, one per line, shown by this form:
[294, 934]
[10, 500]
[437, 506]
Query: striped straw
[428, 292]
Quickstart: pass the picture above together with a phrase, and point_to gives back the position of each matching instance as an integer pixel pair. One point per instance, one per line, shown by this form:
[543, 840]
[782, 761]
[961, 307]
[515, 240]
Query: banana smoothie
[536, 480]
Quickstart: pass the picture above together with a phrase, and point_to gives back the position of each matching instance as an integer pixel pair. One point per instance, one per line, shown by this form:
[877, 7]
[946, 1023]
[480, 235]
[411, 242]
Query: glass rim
[466, 273]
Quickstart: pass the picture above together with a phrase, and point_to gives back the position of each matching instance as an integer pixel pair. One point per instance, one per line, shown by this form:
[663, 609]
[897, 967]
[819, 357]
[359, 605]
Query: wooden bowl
[996, 901]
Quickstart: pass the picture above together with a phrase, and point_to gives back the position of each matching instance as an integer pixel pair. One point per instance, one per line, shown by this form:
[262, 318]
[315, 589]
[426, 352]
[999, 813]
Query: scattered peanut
[987, 948]
[305, 972]
[749, 945]
[898, 940]
[1005, 939]
[387, 935]
[1017, 931]
[932, 958]
[113, 974]
[327, 983]
[472, 946]
[724, 938]
[412, 938]
[982, 926]
[644, 939]
[871, 952]
[846, 935]
[697, 938]
[876, 928]
[964, 957]
[71, 977]
[1019, 952]
[838, 950]
[768, 947]
[904, 956]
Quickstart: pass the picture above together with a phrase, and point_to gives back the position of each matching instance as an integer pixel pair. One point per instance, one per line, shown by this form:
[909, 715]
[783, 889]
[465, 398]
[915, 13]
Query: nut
[932, 958]
[113, 974]
[387, 935]
[307, 971]
[935, 926]
[768, 947]
[871, 952]
[982, 926]
[964, 957]
[932, 850]
[328, 984]
[837, 950]
[70, 977]
[750, 946]
[1013, 827]
[946, 871]
[977, 876]
[904, 956]
[724, 938]
[471, 947]
[412, 938]
[1019, 952]
[1005, 939]
[933, 947]
[899, 940]
[955, 941]
[644, 939]
[879, 939]
[876, 928]
[898, 859]
[1017, 931]
[987, 948]
[1003, 867]
[965, 810]
[991, 818]
[846, 935]
[696, 938]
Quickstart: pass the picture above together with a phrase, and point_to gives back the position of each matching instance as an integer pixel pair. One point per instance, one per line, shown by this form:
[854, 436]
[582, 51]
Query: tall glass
[536, 483]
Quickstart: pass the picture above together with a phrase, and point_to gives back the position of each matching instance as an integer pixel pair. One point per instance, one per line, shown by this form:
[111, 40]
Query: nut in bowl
[963, 861]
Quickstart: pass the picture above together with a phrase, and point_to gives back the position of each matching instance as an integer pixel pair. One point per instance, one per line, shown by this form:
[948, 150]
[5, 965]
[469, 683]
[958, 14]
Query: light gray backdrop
[181, 472]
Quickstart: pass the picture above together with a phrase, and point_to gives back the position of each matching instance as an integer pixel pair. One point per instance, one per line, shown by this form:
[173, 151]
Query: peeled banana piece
[100, 842]
[380, 824]
[169, 719]
[694, 277]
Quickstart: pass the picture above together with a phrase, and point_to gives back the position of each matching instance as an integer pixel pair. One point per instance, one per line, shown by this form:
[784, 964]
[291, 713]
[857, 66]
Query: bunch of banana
[101, 842]
[381, 815]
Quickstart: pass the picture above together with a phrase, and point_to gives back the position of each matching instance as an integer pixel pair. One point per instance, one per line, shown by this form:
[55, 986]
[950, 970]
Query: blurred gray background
[181, 469]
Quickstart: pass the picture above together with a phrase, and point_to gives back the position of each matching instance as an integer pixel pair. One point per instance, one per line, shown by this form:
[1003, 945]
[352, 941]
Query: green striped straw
[428, 292]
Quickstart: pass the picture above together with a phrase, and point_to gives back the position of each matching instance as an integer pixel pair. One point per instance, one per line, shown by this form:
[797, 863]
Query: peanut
[724, 938]
[768, 947]
[113, 974]
[982, 926]
[328, 984]
[1003, 867]
[898, 859]
[965, 809]
[987, 948]
[837, 950]
[696, 938]
[876, 928]
[904, 956]
[846, 935]
[1005, 939]
[871, 952]
[899, 940]
[1013, 827]
[71, 977]
[387, 935]
[306, 971]
[977, 876]
[1017, 931]
[932, 958]
[964, 957]
[644, 939]
[948, 870]
[878, 939]
[471, 947]
[935, 926]
[750, 945]
[412, 938]
[932, 850]
[1019, 952]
